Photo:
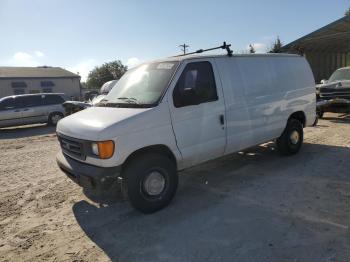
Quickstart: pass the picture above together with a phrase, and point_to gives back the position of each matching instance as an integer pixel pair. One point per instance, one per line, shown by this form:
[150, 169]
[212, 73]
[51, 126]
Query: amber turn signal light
[105, 149]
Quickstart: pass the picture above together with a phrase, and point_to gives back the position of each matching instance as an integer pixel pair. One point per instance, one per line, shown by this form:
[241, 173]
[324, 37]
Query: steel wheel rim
[55, 119]
[294, 137]
[154, 183]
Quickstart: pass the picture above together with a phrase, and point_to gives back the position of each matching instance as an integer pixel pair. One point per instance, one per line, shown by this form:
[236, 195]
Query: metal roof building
[326, 49]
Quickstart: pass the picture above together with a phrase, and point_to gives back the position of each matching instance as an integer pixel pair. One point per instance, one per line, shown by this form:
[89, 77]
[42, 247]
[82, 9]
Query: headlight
[94, 148]
[104, 149]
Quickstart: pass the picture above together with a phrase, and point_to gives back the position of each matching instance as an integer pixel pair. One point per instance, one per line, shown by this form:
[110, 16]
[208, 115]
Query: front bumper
[85, 175]
[336, 105]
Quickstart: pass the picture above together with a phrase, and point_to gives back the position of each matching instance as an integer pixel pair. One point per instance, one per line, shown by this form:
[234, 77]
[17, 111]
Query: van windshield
[340, 74]
[142, 86]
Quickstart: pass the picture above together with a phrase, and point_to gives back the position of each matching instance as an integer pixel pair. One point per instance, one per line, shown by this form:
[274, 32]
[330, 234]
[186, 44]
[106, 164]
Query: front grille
[72, 147]
[329, 93]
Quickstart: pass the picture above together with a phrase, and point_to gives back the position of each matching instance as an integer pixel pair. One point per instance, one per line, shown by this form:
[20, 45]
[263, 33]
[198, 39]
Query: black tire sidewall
[284, 143]
[138, 169]
[50, 118]
[320, 113]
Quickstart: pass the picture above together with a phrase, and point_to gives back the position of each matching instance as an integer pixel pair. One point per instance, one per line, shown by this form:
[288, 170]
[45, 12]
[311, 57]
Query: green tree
[276, 46]
[251, 49]
[347, 13]
[104, 73]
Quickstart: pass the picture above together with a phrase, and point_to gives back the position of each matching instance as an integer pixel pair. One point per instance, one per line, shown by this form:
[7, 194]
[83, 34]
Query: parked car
[90, 95]
[174, 113]
[72, 107]
[333, 95]
[31, 109]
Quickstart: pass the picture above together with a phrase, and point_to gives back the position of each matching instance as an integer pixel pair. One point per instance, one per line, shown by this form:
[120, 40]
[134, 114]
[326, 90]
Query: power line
[184, 48]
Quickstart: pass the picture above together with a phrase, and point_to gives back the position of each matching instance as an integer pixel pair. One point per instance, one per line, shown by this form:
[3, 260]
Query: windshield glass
[142, 85]
[340, 74]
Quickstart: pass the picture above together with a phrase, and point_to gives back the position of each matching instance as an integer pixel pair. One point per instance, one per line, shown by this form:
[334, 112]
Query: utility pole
[184, 48]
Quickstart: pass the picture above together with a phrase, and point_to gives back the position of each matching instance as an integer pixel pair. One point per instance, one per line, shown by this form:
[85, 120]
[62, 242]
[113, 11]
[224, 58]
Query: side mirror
[324, 81]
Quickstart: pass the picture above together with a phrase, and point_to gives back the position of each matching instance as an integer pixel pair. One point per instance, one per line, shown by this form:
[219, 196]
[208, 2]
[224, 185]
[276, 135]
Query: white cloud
[23, 59]
[39, 53]
[83, 68]
[133, 61]
[259, 47]
[26, 59]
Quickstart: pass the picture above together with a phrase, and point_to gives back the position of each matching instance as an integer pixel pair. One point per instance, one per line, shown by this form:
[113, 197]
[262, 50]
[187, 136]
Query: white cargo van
[174, 113]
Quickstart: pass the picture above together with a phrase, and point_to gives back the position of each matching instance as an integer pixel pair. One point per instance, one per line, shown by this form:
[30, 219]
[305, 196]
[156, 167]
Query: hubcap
[55, 119]
[154, 183]
[294, 137]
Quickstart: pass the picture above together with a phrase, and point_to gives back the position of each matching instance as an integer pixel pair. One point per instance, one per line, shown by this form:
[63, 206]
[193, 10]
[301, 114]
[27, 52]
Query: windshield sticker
[165, 66]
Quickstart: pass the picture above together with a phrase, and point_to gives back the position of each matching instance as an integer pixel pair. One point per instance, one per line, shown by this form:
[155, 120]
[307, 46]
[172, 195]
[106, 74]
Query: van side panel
[238, 124]
[261, 92]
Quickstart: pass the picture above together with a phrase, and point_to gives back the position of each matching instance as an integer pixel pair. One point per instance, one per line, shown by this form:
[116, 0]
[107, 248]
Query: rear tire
[319, 114]
[54, 118]
[151, 181]
[289, 143]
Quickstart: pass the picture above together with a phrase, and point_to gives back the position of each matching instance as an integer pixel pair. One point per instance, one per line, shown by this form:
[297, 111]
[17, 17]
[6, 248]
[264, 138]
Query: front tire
[54, 118]
[151, 181]
[289, 143]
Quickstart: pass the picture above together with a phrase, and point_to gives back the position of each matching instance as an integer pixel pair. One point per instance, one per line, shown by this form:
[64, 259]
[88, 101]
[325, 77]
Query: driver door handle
[222, 119]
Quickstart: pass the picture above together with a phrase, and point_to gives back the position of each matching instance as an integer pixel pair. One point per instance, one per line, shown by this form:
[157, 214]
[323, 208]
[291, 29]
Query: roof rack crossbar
[223, 46]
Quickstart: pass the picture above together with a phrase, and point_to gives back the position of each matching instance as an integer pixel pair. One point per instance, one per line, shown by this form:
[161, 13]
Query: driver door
[198, 113]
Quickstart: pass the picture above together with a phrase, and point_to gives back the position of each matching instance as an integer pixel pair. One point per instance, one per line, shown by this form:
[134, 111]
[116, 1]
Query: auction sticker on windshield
[165, 66]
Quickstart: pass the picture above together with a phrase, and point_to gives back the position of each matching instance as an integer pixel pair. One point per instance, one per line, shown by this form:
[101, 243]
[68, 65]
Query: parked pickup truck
[174, 113]
[333, 95]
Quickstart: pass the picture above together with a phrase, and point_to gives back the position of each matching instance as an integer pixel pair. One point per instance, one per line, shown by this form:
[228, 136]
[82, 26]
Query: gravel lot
[251, 206]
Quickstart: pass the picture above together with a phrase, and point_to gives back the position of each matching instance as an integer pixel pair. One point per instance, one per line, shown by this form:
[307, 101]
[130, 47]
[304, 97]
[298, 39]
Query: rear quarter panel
[261, 92]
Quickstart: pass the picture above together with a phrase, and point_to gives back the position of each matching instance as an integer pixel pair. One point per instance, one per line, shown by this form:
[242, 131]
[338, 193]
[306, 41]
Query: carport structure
[326, 49]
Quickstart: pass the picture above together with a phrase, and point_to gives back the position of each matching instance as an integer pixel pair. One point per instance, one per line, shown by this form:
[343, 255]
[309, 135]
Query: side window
[31, 101]
[18, 87]
[52, 100]
[8, 103]
[196, 85]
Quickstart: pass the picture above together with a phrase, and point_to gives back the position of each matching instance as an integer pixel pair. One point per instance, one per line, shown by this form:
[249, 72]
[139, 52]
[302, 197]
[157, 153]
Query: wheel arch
[300, 116]
[158, 149]
[55, 112]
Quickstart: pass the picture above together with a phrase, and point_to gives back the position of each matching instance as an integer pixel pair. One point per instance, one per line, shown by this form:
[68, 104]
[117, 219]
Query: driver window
[196, 85]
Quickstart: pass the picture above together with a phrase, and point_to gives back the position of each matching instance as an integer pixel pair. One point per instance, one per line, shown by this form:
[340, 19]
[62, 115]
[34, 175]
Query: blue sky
[80, 34]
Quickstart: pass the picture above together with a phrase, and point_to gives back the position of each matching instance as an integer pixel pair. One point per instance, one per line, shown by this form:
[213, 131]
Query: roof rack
[223, 46]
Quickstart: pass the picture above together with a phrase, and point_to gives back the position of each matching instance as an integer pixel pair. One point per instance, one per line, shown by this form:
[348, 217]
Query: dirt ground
[251, 206]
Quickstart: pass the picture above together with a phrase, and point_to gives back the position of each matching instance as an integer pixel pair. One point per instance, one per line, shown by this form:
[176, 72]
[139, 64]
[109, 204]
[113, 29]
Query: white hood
[91, 123]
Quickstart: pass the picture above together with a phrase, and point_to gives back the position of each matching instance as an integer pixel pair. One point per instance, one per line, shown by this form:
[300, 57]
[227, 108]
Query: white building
[29, 80]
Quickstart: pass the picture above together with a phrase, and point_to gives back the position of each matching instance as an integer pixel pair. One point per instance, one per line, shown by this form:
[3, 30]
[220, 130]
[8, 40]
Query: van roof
[187, 57]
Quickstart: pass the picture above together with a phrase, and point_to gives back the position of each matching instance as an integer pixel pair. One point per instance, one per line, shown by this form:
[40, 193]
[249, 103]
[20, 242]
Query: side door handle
[222, 119]
[26, 109]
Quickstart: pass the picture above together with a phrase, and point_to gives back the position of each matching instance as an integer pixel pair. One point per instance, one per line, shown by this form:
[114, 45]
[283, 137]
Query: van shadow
[214, 215]
[26, 131]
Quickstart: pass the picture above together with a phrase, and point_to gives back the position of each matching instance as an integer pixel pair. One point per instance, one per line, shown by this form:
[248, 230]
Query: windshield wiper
[128, 99]
[103, 102]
